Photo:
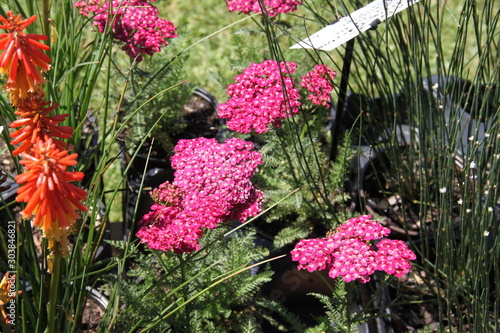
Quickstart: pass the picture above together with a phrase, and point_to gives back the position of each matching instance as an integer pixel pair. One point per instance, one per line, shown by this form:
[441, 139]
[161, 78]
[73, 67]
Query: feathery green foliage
[148, 285]
[148, 81]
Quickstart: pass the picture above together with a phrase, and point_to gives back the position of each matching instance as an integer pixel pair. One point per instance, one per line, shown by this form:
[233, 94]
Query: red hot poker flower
[21, 58]
[33, 113]
[47, 190]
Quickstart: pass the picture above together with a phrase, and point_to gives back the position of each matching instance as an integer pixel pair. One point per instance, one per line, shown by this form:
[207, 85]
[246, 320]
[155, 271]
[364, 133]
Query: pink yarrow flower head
[263, 94]
[349, 253]
[394, 256]
[212, 185]
[133, 22]
[273, 7]
[319, 83]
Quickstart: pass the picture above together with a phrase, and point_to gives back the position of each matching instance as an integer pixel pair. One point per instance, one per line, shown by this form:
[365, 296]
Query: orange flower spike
[21, 57]
[7, 288]
[36, 124]
[47, 191]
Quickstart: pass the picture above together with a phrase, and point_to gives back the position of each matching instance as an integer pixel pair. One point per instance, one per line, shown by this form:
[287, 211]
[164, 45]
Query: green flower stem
[349, 297]
[54, 284]
[185, 291]
[45, 20]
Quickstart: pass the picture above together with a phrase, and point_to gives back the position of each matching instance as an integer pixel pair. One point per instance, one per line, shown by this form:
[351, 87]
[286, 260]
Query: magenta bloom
[363, 228]
[349, 253]
[273, 7]
[319, 83]
[258, 99]
[211, 186]
[163, 229]
[314, 254]
[393, 257]
[353, 259]
[133, 22]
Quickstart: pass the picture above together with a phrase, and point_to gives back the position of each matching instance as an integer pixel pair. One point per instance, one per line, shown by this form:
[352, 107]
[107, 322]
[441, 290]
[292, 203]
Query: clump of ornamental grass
[430, 108]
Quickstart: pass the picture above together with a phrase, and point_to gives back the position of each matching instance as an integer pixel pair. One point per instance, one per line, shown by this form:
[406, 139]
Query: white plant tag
[352, 25]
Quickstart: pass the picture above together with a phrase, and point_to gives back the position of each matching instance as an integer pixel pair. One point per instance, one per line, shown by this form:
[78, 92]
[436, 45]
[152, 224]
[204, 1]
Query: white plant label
[353, 24]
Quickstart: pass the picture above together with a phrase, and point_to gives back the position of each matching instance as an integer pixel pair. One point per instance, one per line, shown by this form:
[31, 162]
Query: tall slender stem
[54, 285]
[349, 292]
[185, 291]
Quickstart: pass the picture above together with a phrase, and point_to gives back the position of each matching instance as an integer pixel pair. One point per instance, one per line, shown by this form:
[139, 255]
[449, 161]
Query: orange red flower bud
[36, 124]
[22, 59]
[7, 293]
[47, 191]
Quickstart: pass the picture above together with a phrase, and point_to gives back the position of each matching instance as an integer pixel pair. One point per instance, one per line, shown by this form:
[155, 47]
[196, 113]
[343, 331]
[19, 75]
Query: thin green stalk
[54, 286]
[296, 177]
[45, 19]
[185, 291]
[348, 303]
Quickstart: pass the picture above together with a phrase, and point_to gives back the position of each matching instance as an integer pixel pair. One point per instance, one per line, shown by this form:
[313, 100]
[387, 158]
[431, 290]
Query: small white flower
[442, 190]
[472, 165]
[468, 210]
[486, 233]
[490, 209]
[460, 201]
[471, 138]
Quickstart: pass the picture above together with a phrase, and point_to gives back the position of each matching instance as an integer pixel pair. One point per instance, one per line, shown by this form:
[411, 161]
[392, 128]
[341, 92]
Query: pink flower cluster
[133, 22]
[263, 94]
[348, 252]
[211, 186]
[319, 83]
[273, 7]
